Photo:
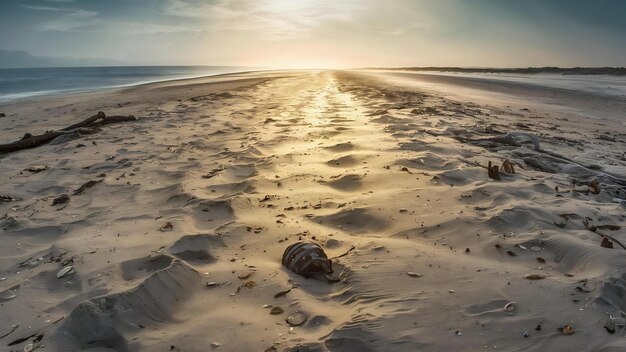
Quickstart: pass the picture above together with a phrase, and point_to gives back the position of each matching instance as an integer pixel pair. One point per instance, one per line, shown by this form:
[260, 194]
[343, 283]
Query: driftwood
[86, 126]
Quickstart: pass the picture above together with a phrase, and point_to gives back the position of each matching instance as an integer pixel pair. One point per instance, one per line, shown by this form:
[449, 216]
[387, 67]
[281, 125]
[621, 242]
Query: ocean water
[27, 82]
[597, 84]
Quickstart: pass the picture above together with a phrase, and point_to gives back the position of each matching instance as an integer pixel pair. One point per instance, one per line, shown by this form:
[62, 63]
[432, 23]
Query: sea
[21, 83]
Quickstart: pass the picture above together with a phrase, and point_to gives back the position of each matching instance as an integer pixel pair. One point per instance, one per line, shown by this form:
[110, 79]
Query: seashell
[306, 259]
[66, 270]
[510, 307]
[535, 249]
[297, 318]
[413, 274]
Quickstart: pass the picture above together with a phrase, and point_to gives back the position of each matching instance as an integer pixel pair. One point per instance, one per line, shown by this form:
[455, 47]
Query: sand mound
[346, 183]
[356, 220]
[195, 248]
[103, 321]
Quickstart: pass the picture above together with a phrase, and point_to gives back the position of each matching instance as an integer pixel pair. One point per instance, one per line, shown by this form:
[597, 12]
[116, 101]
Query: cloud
[74, 21]
[40, 8]
[273, 19]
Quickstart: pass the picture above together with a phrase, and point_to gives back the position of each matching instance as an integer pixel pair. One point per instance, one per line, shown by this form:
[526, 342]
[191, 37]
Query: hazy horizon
[320, 34]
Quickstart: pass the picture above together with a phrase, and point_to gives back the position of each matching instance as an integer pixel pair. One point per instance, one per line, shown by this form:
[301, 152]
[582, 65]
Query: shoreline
[16, 97]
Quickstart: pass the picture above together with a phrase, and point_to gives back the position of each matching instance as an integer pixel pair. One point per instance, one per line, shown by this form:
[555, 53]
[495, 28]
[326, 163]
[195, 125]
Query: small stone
[459, 333]
[414, 274]
[215, 344]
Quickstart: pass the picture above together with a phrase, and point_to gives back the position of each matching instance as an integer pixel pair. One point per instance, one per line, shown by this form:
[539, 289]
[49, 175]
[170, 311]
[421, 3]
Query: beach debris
[566, 330]
[511, 253]
[526, 334]
[414, 274]
[22, 339]
[507, 166]
[345, 253]
[62, 199]
[609, 327]
[510, 307]
[282, 293]
[298, 318]
[606, 243]
[211, 284]
[167, 227]
[541, 260]
[613, 323]
[467, 250]
[87, 126]
[6, 198]
[64, 271]
[85, 186]
[535, 277]
[492, 172]
[594, 187]
[213, 173]
[215, 344]
[458, 333]
[538, 327]
[276, 311]
[249, 284]
[37, 168]
[13, 328]
[306, 259]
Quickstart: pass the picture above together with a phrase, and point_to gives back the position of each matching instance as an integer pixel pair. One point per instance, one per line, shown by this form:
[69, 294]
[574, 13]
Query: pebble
[297, 318]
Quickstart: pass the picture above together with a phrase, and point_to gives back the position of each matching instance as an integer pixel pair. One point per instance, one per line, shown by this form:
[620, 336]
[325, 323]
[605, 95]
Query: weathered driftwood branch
[31, 141]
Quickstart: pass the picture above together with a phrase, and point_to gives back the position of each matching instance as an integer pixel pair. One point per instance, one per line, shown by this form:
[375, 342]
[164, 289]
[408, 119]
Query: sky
[321, 33]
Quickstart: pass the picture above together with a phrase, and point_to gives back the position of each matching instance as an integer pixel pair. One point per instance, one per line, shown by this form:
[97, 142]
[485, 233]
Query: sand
[384, 170]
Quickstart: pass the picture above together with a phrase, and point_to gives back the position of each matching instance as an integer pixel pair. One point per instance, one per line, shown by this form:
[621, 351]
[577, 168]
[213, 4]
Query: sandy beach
[172, 228]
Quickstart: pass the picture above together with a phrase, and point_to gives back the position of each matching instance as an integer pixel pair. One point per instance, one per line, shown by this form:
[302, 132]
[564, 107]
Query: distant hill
[23, 59]
[615, 71]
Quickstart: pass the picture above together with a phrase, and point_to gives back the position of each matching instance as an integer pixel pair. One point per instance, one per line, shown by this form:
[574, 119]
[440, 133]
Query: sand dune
[177, 243]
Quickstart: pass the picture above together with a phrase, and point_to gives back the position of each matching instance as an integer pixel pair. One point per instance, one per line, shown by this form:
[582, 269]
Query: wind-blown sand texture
[391, 164]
